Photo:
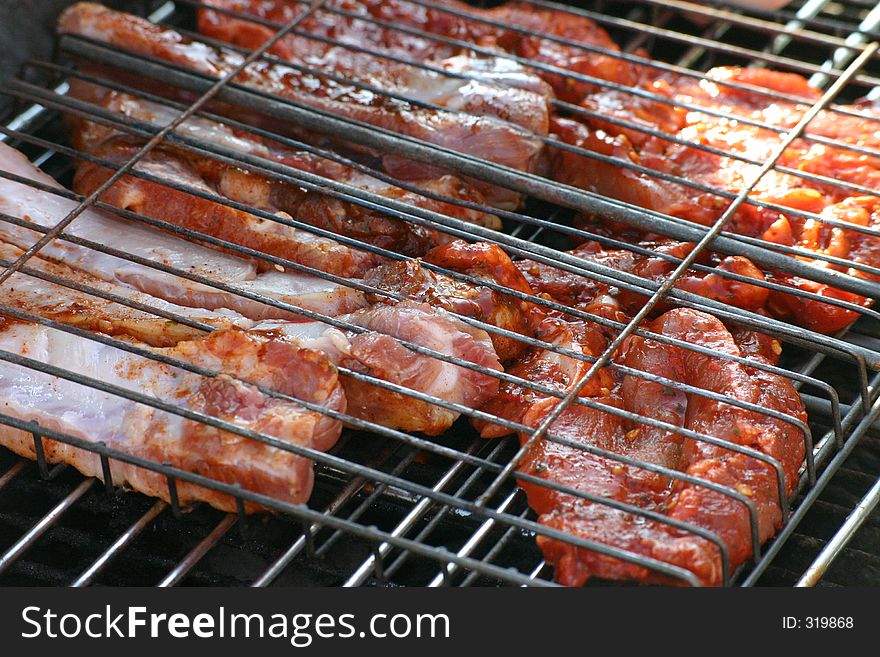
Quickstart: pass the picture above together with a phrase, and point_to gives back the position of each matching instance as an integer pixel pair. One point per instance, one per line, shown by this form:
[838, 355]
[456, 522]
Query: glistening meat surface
[376, 352]
[494, 139]
[85, 309]
[483, 86]
[262, 191]
[482, 261]
[172, 197]
[47, 208]
[746, 147]
[142, 431]
[619, 304]
[579, 470]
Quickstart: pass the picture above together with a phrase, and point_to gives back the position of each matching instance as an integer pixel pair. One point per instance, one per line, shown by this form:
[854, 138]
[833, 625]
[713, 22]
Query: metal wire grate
[399, 507]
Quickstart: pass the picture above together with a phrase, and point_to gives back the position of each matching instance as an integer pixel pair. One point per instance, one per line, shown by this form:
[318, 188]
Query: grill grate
[412, 510]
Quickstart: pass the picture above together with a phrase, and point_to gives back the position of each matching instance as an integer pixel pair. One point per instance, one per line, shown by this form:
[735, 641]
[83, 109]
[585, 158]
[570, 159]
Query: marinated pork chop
[414, 281]
[601, 476]
[729, 175]
[167, 201]
[614, 303]
[483, 86]
[523, 42]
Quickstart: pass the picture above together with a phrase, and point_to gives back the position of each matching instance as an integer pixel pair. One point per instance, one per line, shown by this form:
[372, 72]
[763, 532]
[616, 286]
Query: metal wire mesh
[471, 482]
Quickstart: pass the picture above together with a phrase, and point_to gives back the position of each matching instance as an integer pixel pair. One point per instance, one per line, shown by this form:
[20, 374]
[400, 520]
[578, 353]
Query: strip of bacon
[143, 431]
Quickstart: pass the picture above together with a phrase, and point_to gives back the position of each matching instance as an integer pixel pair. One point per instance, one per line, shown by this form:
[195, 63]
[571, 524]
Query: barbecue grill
[395, 508]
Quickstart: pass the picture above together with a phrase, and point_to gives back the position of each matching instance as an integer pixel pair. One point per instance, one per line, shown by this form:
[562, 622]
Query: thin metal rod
[347, 493]
[195, 555]
[418, 511]
[495, 550]
[119, 545]
[844, 54]
[814, 493]
[467, 549]
[11, 473]
[857, 517]
[45, 523]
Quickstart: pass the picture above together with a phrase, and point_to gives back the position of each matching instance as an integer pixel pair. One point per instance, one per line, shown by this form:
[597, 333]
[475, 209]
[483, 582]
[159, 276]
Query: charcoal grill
[392, 508]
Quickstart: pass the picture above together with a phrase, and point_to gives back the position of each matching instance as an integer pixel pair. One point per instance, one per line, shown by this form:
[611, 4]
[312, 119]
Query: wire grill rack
[391, 506]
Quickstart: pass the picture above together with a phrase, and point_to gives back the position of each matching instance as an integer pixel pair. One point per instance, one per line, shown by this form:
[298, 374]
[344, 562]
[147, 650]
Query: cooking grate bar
[350, 489]
[447, 501]
[496, 549]
[812, 494]
[367, 502]
[447, 571]
[118, 546]
[658, 17]
[11, 473]
[195, 555]
[842, 537]
[46, 522]
[827, 445]
[843, 56]
[417, 513]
